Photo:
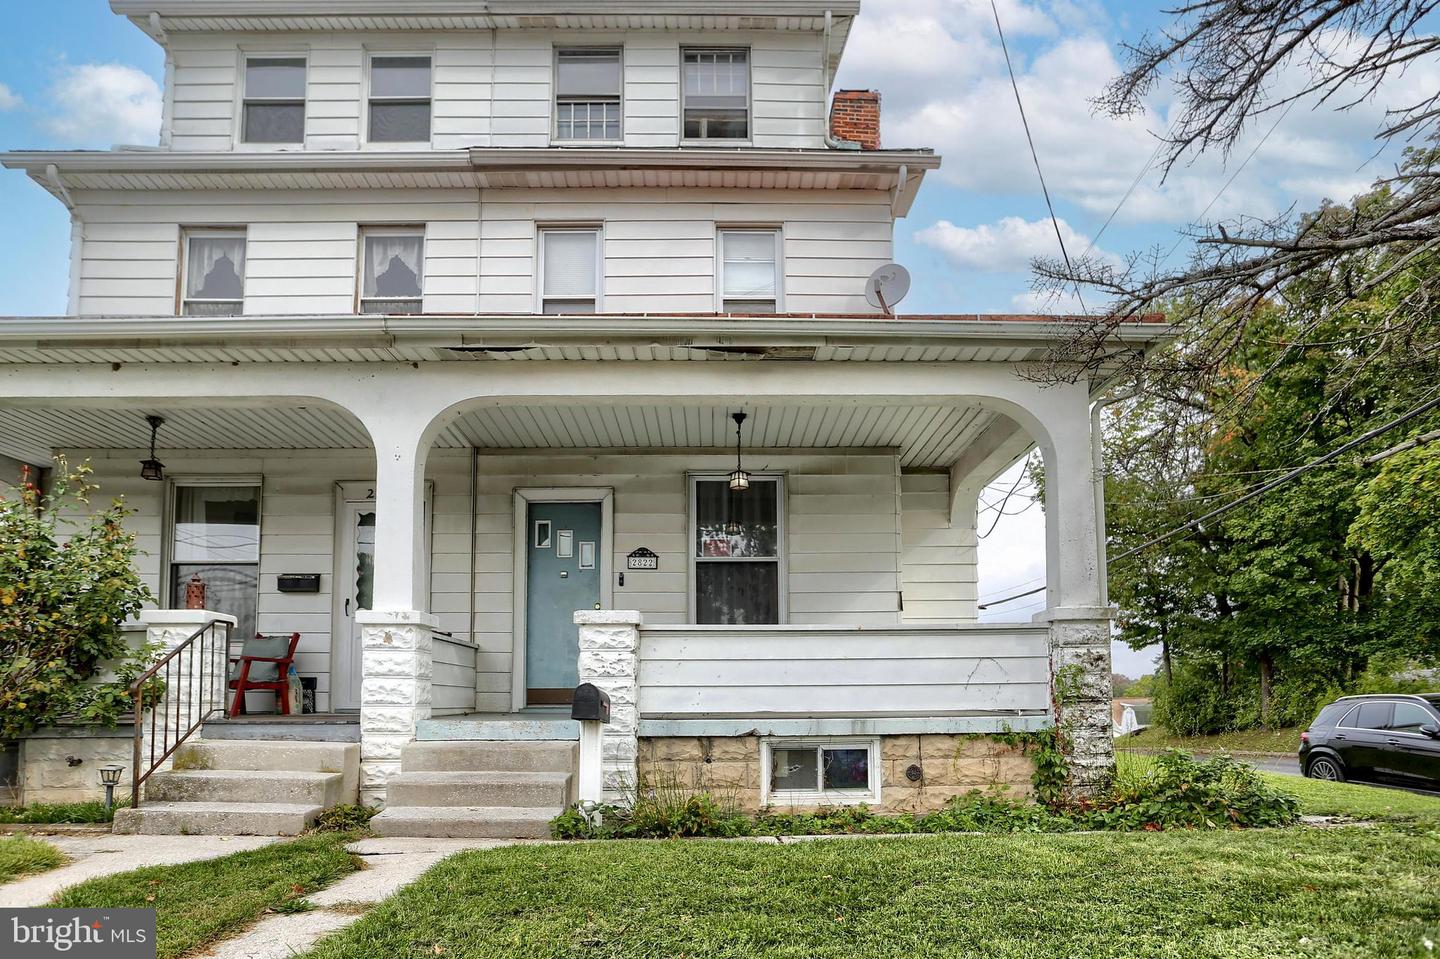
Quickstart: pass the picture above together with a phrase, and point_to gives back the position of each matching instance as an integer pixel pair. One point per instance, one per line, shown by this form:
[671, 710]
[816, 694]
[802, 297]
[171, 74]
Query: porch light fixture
[739, 478]
[110, 778]
[153, 469]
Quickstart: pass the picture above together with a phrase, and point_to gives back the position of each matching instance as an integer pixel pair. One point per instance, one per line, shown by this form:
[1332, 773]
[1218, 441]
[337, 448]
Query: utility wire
[1054, 220]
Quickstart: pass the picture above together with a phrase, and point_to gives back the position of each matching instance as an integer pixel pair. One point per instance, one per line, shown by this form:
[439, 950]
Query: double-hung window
[274, 107]
[569, 270]
[825, 772]
[749, 280]
[399, 99]
[215, 534]
[214, 272]
[392, 269]
[716, 93]
[736, 542]
[587, 93]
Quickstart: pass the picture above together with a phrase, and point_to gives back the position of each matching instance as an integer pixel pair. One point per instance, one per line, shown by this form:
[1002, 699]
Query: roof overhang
[896, 172]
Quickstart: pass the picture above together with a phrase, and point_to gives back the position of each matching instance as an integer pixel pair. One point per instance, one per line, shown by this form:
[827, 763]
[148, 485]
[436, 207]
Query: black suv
[1391, 739]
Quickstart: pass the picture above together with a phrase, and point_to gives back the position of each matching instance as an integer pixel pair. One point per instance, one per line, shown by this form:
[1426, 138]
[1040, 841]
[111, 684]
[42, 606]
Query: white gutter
[167, 92]
[77, 237]
[830, 141]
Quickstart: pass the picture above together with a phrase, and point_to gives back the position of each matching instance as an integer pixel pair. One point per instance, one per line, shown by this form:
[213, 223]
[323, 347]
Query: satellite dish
[887, 286]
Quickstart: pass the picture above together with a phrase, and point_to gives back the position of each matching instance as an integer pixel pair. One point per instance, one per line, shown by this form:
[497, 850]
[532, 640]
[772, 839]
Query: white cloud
[1006, 246]
[103, 103]
[9, 99]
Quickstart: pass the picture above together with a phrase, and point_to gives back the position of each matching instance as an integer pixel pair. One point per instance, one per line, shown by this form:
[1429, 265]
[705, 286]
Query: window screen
[749, 271]
[587, 94]
[274, 108]
[737, 552]
[717, 94]
[569, 283]
[399, 99]
[393, 277]
[214, 273]
[215, 533]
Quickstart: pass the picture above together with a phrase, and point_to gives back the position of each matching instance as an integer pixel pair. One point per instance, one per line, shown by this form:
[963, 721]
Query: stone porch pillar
[610, 658]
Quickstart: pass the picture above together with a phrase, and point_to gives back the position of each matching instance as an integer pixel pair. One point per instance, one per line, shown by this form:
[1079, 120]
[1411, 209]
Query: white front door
[354, 587]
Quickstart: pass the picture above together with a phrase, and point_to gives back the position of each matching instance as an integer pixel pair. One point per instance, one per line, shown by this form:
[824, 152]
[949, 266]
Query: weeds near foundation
[60, 813]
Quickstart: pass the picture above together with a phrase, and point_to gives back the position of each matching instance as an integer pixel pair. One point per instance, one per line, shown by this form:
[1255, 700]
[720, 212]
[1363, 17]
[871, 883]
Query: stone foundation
[950, 765]
[48, 773]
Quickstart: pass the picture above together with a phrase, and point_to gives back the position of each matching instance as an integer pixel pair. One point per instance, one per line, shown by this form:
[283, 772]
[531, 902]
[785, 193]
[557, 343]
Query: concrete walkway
[103, 854]
[389, 865]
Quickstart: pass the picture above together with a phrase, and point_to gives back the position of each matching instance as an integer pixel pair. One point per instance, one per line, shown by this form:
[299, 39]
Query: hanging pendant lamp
[739, 478]
[153, 469]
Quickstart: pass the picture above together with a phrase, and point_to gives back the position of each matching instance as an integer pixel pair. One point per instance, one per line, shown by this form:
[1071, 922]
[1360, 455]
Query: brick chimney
[855, 116]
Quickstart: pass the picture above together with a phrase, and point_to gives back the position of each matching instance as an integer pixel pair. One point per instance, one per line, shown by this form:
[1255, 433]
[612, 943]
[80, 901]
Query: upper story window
[569, 270]
[716, 93]
[587, 93]
[749, 280]
[399, 99]
[214, 272]
[393, 269]
[274, 109]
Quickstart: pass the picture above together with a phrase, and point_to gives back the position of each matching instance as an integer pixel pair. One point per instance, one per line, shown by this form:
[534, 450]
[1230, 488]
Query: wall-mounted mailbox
[298, 582]
[591, 704]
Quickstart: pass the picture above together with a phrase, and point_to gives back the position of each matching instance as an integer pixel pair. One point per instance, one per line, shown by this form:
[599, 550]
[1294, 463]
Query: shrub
[1178, 791]
[66, 586]
[346, 817]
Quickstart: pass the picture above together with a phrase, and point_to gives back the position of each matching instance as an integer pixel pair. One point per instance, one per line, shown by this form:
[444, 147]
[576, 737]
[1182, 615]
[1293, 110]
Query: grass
[1293, 892]
[21, 856]
[1262, 741]
[199, 902]
[1319, 798]
[55, 813]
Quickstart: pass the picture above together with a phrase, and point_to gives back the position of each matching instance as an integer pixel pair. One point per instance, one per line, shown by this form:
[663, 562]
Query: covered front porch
[460, 509]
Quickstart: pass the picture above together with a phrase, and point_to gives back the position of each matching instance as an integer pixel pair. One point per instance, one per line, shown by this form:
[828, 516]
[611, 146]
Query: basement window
[823, 772]
[214, 271]
[392, 270]
[274, 108]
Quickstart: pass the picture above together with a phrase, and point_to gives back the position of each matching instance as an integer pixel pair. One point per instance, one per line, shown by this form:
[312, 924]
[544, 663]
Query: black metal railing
[186, 685]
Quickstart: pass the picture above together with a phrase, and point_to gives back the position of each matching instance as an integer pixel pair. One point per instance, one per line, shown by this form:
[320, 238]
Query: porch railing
[710, 672]
[183, 689]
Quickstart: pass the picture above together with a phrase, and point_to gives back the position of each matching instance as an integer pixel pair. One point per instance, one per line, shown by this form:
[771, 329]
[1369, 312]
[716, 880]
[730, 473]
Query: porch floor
[532, 724]
[305, 727]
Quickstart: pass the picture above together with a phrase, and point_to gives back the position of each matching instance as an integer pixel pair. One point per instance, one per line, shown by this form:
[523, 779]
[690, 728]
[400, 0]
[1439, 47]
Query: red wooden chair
[263, 666]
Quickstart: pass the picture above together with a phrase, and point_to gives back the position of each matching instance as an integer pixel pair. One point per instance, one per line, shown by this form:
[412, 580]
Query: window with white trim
[749, 262]
[736, 543]
[569, 270]
[392, 269]
[214, 272]
[587, 93]
[399, 99]
[820, 772]
[215, 534]
[273, 110]
[716, 93]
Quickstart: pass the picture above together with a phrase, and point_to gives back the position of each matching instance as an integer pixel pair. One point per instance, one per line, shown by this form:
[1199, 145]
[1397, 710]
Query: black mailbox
[590, 703]
[298, 582]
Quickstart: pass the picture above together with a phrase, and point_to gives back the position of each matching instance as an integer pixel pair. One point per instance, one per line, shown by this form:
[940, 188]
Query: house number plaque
[642, 558]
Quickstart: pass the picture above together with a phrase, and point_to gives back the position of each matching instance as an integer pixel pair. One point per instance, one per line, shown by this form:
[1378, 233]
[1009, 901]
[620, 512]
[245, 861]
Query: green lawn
[1285, 741]
[1319, 798]
[1295, 892]
[199, 902]
[20, 855]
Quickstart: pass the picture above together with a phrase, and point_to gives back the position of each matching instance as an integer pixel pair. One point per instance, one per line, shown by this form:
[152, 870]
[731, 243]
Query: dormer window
[587, 93]
[274, 108]
[716, 93]
[393, 270]
[399, 99]
[214, 273]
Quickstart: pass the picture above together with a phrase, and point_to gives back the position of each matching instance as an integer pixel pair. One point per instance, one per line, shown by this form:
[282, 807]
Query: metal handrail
[212, 682]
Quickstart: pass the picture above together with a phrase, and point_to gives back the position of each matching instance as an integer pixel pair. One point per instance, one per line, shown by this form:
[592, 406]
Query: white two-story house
[437, 315]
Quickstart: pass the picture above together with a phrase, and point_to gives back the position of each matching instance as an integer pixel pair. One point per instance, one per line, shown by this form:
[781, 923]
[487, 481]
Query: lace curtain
[393, 265]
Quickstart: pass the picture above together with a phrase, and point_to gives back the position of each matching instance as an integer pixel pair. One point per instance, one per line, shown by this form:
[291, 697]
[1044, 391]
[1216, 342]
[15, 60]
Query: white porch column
[1078, 615]
[610, 658]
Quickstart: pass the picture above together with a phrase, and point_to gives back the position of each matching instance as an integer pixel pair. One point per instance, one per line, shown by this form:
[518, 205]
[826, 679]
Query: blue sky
[72, 75]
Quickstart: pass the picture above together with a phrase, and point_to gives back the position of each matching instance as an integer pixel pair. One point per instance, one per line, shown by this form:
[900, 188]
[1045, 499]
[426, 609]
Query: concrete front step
[517, 727]
[466, 822]
[217, 819]
[478, 788]
[277, 756]
[334, 730]
[533, 756]
[287, 786]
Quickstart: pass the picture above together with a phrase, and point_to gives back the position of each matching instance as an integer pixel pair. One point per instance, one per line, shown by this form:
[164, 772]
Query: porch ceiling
[926, 436]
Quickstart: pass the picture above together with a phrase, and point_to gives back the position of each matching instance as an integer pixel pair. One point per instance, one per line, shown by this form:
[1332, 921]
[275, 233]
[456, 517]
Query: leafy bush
[66, 586]
[347, 817]
[1191, 703]
[60, 813]
[1179, 791]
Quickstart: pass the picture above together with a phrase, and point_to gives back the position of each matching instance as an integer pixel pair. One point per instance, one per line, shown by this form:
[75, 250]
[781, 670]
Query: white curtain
[215, 268]
[570, 264]
[393, 266]
[749, 264]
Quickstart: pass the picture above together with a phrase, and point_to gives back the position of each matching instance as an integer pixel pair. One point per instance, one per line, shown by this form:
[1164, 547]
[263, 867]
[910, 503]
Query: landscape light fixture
[110, 778]
[739, 478]
[153, 469]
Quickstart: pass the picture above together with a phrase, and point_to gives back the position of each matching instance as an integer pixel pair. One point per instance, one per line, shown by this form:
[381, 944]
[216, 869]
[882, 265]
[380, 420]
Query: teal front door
[562, 574]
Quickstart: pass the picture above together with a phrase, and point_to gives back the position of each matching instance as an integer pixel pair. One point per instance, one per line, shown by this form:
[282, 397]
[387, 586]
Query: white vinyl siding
[938, 555]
